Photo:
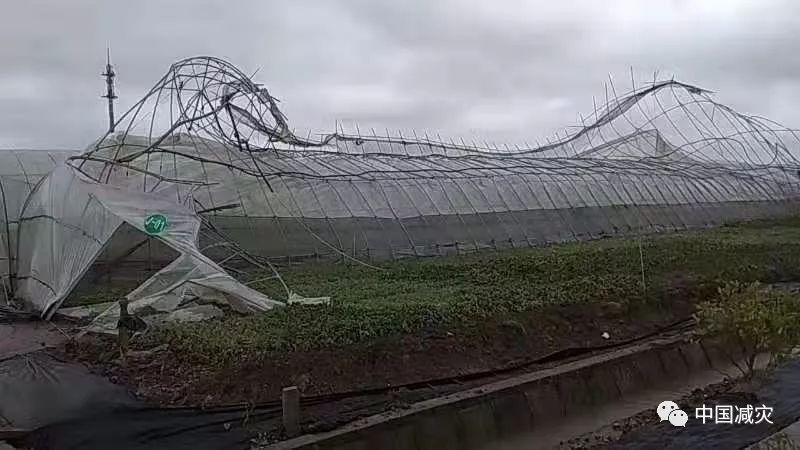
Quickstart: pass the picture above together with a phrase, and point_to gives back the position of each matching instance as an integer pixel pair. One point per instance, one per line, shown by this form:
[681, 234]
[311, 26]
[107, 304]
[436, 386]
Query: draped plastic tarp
[67, 221]
[20, 171]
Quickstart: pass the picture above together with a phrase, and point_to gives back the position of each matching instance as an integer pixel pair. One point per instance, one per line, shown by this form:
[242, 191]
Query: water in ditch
[781, 392]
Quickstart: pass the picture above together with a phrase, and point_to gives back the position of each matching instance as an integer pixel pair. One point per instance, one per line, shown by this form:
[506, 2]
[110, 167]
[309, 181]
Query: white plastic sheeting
[663, 156]
[209, 140]
[67, 221]
[374, 203]
[327, 184]
[20, 170]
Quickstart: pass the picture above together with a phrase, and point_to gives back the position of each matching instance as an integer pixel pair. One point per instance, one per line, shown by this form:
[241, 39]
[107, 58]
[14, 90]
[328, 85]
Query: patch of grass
[460, 293]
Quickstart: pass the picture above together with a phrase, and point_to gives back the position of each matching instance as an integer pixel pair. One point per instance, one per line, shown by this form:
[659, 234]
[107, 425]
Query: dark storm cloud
[504, 70]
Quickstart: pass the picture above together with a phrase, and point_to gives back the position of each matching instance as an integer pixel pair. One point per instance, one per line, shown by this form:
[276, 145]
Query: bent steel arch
[664, 155]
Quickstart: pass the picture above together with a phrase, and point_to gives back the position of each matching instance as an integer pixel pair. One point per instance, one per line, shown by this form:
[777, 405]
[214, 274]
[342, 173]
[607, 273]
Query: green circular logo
[155, 224]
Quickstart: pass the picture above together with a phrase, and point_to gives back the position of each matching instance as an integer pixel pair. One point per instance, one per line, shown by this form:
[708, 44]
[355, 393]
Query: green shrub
[759, 318]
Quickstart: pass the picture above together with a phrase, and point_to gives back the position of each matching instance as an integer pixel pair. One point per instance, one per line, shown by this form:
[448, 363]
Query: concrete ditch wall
[476, 418]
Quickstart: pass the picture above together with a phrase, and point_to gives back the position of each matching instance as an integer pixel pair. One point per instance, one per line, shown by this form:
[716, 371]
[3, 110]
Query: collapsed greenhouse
[208, 155]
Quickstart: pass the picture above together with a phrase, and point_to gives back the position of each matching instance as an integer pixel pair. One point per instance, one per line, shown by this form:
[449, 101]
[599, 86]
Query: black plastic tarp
[67, 408]
[37, 389]
[146, 428]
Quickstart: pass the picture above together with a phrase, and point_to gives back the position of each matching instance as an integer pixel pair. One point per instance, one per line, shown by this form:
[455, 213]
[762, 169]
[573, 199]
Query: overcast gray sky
[506, 71]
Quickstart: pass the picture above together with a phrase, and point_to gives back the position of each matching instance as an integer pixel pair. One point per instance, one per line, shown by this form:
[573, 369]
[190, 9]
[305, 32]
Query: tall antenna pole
[109, 74]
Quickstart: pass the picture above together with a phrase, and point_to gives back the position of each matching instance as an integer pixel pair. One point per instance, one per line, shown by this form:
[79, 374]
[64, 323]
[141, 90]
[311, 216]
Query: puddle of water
[68, 408]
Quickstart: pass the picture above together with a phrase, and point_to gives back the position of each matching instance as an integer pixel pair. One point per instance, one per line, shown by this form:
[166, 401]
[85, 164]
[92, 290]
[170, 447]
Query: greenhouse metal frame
[662, 156]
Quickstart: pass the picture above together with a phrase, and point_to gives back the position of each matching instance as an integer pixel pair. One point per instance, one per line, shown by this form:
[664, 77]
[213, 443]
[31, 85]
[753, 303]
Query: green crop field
[460, 293]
